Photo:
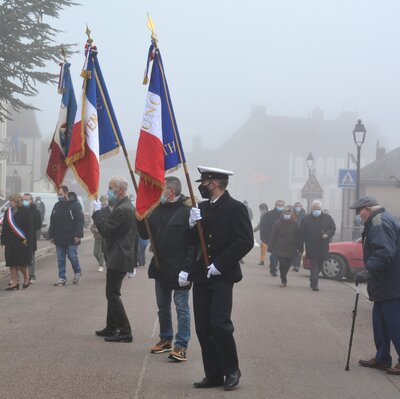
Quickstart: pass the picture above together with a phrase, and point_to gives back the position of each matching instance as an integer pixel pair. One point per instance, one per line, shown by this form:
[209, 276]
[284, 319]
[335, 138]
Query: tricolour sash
[14, 227]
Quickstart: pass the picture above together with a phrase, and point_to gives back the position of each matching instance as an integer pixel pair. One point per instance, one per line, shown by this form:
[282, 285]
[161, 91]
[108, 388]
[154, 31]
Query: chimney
[380, 151]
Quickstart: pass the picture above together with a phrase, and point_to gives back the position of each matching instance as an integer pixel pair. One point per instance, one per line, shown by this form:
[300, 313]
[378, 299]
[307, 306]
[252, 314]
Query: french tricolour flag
[83, 154]
[159, 148]
[56, 167]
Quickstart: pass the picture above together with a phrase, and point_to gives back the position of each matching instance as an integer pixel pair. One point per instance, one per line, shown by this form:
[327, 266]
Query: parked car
[345, 259]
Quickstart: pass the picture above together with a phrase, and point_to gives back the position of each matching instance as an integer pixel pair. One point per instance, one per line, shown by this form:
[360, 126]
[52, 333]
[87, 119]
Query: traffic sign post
[311, 190]
[347, 178]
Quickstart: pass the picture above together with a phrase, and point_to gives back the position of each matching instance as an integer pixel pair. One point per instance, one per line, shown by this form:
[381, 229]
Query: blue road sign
[347, 178]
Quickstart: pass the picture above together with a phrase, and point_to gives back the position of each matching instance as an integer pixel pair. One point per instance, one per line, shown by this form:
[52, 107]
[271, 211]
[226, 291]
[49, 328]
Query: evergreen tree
[26, 46]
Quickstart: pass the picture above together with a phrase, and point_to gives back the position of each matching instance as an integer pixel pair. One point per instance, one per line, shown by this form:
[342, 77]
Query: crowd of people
[208, 263]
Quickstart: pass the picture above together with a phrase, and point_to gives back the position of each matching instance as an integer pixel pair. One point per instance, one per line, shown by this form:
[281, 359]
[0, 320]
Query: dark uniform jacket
[36, 225]
[18, 253]
[311, 231]
[269, 219]
[284, 240]
[381, 250]
[172, 241]
[228, 236]
[119, 231]
[66, 222]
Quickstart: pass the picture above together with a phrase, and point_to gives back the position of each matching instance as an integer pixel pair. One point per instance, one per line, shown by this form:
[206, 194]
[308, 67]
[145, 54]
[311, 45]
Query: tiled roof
[380, 170]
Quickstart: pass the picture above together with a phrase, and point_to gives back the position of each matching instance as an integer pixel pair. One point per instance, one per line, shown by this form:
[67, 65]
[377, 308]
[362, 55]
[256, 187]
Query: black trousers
[212, 304]
[315, 266]
[284, 266]
[116, 315]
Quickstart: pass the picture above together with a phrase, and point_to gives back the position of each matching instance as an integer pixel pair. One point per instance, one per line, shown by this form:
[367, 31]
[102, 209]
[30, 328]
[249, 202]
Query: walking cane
[352, 326]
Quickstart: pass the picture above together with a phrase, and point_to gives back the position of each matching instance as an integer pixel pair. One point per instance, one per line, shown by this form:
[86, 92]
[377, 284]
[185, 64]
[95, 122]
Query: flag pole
[122, 145]
[178, 143]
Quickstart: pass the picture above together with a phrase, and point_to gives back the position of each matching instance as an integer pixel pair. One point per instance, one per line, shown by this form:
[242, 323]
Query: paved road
[292, 341]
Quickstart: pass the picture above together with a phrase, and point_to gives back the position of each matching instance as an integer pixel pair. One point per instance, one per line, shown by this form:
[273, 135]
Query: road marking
[144, 365]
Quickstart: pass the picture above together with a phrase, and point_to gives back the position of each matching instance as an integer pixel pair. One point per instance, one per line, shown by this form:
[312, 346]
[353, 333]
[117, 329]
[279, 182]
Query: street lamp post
[310, 164]
[359, 133]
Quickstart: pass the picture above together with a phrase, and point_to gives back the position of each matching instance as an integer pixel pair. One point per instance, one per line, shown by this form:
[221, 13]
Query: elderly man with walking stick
[381, 251]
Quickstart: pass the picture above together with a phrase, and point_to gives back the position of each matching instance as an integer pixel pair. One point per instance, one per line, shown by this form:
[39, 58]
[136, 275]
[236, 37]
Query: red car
[345, 259]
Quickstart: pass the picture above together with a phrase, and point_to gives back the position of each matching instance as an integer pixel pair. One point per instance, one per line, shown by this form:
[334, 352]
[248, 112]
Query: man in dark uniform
[228, 237]
[381, 252]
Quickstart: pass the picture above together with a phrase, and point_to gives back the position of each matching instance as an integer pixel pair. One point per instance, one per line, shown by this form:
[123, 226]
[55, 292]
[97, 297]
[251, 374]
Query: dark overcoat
[268, 221]
[18, 253]
[66, 222]
[311, 231]
[119, 231]
[172, 242]
[228, 235]
[36, 223]
[284, 240]
[381, 251]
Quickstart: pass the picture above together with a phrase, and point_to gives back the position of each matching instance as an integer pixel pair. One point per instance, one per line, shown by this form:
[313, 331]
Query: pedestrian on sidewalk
[228, 236]
[175, 255]
[263, 227]
[284, 242]
[65, 232]
[17, 238]
[98, 239]
[316, 231]
[381, 252]
[37, 225]
[119, 231]
[298, 215]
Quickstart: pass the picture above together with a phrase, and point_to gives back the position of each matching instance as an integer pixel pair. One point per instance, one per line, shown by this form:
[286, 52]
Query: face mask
[279, 208]
[163, 199]
[316, 212]
[61, 197]
[25, 203]
[112, 196]
[204, 192]
[359, 220]
[286, 217]
[297, 209]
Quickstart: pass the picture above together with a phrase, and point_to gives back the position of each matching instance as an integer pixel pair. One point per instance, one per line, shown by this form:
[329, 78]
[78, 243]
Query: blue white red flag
[159, 149]
[96, 134]
[56, 167]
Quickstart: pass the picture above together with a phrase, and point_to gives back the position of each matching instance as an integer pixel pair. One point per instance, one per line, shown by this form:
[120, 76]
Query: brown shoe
[164, 345]
[395, 370]
[178, 354]
[373, 364]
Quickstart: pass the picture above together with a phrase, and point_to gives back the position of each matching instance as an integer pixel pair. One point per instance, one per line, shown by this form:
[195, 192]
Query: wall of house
[387, 196]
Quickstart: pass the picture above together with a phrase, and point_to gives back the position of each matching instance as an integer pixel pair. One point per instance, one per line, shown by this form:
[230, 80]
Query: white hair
[316, 202]
[120, 182]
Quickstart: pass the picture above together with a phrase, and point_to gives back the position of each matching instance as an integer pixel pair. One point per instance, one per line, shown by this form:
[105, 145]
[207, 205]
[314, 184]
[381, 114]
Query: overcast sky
[223, 56]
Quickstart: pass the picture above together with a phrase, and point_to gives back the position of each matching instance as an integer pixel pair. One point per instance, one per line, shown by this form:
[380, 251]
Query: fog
[223, 57]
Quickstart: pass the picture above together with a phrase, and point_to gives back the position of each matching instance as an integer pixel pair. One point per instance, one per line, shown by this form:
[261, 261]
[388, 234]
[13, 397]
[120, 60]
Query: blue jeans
[386, 325]
[181, 299]
[72, 252]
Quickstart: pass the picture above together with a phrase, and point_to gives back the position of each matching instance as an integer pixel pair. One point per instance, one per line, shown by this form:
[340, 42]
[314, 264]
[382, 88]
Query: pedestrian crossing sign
[347, 178]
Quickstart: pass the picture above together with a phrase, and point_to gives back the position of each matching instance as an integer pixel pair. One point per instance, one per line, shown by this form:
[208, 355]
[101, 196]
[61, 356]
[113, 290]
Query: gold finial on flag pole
[150, 25]
[88, 32]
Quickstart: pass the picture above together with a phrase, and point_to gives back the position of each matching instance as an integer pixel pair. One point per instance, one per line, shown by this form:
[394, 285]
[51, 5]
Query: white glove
[131, 275]
[212, 271]
[183, 279]
[195, 215]
[96, 205]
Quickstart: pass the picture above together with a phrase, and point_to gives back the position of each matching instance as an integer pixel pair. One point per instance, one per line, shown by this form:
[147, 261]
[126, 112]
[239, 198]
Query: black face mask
[204, 192]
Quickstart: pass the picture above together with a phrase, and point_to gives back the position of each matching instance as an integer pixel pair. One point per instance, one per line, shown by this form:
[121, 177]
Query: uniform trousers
[116, 315]
[386, 325]
[212, 305]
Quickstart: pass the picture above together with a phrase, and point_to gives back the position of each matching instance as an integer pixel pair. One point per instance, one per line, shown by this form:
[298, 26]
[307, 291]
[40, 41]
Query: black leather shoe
[209, 383]
[232, 380]
[119, 338]
[105, 332]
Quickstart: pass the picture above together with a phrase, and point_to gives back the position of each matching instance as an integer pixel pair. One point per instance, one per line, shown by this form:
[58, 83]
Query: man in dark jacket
[316, 230]
[381, 252]
[120, 234]
[262, 226]
[228, 236]
[270, 218]
[66, 231]
[37, 225]
[175, 256]
[298, 216]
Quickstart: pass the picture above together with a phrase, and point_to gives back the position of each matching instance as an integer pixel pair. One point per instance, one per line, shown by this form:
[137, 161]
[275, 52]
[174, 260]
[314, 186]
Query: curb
[39, 254]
